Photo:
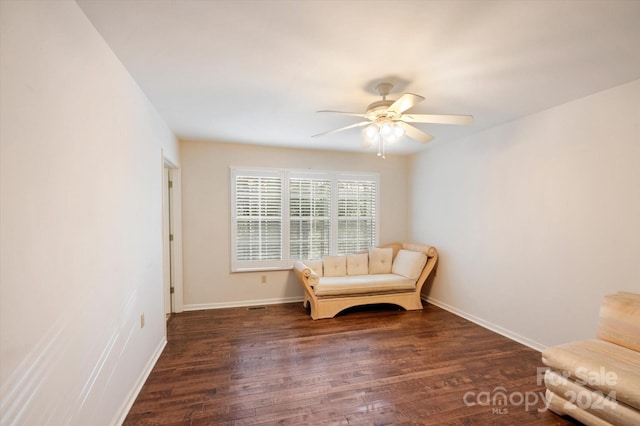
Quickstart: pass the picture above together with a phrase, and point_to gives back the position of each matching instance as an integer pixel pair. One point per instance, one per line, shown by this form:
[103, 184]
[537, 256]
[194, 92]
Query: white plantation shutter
[258, 220]
[278, 216]
[356, 215]
[309, 218]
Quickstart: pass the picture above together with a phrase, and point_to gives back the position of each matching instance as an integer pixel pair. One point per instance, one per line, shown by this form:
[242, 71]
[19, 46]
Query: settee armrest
[306, 275]
[308, 278]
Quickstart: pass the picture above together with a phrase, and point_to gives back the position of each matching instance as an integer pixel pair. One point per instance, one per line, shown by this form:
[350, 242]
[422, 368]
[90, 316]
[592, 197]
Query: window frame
[286, 174]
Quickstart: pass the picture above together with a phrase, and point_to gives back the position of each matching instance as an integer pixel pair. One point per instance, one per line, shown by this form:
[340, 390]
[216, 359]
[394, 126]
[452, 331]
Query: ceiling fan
[386, 120]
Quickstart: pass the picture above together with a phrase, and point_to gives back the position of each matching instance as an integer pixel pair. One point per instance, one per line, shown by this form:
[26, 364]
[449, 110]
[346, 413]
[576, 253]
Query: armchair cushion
[619, 319]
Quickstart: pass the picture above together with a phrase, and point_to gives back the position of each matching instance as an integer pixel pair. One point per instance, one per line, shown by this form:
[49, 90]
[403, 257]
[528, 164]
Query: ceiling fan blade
[355, 114]
[415, 133]
[437, 118]
[404, 102]
[360, 124]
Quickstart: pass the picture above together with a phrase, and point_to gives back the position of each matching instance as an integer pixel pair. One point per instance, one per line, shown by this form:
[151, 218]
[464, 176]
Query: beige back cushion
[316, 265]
[409, 264]
[620, 320]
[335, 266]
[358, 264]
[380, 260]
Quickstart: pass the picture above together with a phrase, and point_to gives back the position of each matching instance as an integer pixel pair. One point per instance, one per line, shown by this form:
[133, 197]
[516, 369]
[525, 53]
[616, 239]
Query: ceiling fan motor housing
[379, 110]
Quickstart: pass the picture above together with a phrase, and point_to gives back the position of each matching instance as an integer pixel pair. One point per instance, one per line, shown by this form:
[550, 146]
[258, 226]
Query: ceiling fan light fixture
[398, 130]
[381, 133]
[371, 132]
[386, 128]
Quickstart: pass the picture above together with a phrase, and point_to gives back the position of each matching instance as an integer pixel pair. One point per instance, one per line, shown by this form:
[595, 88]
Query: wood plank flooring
[369, 366]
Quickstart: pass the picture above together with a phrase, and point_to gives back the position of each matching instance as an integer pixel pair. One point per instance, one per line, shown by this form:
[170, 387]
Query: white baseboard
[488, 325]
[241, 303]
[133, 394]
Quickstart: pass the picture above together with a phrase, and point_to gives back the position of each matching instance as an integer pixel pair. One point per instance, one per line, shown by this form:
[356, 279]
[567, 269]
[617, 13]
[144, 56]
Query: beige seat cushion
[334, 266]
[362, 284]
[380, 260]
[409, 264]
[601, 365]
[358, 264]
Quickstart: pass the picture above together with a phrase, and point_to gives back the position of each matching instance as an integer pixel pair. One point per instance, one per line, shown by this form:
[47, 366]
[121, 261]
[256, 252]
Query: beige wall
[80, 221]
[538, 219]
[206, 216]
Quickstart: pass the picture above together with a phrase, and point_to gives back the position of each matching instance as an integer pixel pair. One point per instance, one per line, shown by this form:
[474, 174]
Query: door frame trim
[176, 226]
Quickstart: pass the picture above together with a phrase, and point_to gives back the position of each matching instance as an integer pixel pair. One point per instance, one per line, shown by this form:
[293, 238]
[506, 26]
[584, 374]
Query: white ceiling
[256, 71]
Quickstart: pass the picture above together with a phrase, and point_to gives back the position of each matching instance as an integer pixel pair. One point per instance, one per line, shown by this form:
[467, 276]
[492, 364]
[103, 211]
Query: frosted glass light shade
[371, 132]
[386, 128]
[398, 131]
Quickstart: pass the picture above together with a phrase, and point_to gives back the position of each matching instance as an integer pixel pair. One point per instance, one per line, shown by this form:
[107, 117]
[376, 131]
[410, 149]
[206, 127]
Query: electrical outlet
[264, 279]
[142, 321]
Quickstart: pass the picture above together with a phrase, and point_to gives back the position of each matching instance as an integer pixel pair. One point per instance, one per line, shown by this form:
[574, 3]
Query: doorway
[171, 237]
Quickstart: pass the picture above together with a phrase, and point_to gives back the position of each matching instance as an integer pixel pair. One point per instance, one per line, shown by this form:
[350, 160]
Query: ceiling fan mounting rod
[383, 89]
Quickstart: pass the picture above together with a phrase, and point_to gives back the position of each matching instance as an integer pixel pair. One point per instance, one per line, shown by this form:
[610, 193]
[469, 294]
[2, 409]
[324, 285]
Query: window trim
[286, 174]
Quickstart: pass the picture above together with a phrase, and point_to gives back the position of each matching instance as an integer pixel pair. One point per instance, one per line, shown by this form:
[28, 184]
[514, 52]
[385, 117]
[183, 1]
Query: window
[279, 216]
[356, 215]
[309, 218]
[258, 218]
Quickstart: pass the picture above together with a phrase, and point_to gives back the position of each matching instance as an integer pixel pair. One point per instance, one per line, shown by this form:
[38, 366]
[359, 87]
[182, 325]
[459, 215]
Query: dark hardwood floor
[369, 366]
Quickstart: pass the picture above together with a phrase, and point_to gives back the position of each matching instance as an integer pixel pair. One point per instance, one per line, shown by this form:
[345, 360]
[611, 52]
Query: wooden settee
[371, 277]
